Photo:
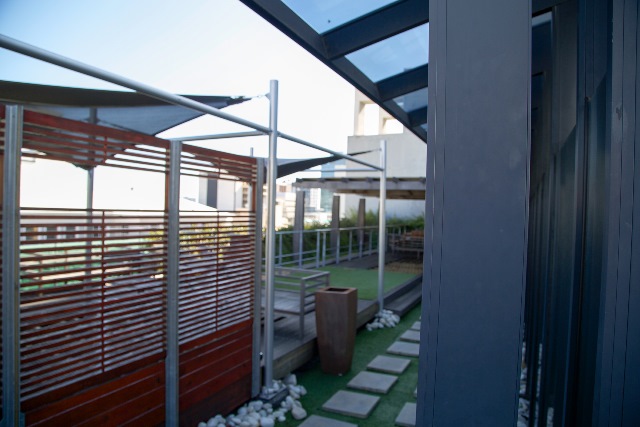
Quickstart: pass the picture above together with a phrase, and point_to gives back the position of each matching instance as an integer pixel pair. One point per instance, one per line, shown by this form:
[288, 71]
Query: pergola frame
[11, 227]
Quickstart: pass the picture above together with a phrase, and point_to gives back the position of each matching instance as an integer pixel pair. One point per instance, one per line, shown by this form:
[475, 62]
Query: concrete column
[476, 214]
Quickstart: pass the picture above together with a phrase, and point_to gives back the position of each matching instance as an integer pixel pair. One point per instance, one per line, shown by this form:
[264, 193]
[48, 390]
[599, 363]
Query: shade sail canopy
[397, 188]
[290, 166]
[122, 110]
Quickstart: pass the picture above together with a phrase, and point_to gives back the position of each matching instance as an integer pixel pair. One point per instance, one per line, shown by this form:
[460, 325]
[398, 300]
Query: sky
[199, 47]
[195, 47]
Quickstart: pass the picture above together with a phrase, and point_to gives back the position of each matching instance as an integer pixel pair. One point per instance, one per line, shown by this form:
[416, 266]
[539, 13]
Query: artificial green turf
[366, 281]
[369, 344]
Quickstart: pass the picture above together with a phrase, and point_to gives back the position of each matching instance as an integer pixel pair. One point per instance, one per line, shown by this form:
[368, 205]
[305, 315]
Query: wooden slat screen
[87, 145]
[92, 293]
[93, 288]
[212, 164]
[216, 271]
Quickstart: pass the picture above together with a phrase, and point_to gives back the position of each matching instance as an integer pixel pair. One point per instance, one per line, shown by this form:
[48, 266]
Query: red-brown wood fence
[93, 290]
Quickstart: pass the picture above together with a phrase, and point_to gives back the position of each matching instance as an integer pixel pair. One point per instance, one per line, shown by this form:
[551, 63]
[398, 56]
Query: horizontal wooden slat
[93, 288]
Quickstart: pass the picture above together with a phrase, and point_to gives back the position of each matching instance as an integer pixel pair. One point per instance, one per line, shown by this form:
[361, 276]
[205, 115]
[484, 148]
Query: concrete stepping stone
[403, 348]
[388, 364]
[372, 381]
[318, 421]
[353, 404]
[407, 416]
[415, 326]
[410, 335]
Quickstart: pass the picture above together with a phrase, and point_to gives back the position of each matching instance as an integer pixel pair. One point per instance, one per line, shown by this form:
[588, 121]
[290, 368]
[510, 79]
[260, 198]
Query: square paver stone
[317, 421]
[352, 404]
[372, 381]
[407, 416]
[415, 326]
[404, 348]
[413, 336]
[388, 364]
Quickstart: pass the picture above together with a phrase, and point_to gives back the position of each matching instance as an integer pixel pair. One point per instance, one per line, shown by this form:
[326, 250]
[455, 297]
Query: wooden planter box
[336, 310]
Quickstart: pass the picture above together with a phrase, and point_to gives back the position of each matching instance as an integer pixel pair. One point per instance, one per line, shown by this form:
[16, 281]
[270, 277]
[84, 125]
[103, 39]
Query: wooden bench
[408, 242]
[295, 291]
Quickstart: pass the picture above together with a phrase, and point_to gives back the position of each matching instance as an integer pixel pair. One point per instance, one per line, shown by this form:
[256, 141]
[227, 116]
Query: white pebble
[267, 422]
[291, 379]
[298, 412]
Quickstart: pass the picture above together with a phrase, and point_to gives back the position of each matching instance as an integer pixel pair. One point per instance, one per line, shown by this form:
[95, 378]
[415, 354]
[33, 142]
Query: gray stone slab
[410, 335]
[403, 348]
[415, 326]
[318, 421]
[388, 364]
[353, 404]
[407, 416]
[372, 381]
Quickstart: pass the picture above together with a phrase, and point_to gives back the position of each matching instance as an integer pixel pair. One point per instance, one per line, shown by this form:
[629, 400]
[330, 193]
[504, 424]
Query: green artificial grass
[366, 281]
[369, 344]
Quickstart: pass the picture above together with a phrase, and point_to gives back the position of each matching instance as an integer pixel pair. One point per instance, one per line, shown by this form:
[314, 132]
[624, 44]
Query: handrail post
[317, 249]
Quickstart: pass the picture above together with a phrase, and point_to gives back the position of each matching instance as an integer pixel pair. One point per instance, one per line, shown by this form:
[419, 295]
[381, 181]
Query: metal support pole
[271, 224]
[71, 64]
[173, 280]
[90, 185]
[11, 268]
[257, 287]
[382, 223]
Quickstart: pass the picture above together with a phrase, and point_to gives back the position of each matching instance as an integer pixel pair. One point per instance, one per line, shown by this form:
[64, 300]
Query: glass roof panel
[325, 15]
[413, 100]
[394, 55]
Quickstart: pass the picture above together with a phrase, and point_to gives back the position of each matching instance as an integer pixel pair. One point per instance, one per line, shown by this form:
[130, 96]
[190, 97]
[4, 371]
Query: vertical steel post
[271, 224]
[382, 223]
[11, 267]
[90, 185]
[257, 280]
[173, 280]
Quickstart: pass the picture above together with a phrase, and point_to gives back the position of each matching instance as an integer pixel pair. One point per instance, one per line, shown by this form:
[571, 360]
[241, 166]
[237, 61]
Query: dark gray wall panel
[631, 406]
[480, 149]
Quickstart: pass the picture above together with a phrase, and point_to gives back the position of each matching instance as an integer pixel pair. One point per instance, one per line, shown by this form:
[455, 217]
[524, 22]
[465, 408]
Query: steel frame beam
[375, 26]
[284, 19]
[404, 83]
